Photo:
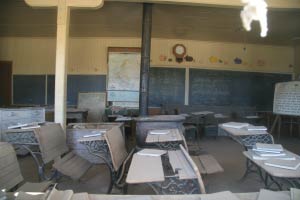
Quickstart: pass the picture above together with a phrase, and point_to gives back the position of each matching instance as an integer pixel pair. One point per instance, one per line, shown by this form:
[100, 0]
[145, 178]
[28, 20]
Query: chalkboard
[76, 84]
[166, 86]
[29, 89]
[287, 98]
[232, 88]
[50, 89]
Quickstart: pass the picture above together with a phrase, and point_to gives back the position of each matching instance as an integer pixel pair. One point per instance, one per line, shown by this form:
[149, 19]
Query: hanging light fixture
[255, 10]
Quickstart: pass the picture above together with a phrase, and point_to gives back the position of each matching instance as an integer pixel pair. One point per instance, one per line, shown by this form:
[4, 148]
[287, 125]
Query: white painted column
[63, 17]
[187, 86]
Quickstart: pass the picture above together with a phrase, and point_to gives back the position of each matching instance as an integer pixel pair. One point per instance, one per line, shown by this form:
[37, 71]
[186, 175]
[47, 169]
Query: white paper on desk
[235, 125]
[151, 152]
[159, 132]
[93, 135]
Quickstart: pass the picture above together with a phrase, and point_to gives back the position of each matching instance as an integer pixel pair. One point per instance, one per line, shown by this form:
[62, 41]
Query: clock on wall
[179, 52]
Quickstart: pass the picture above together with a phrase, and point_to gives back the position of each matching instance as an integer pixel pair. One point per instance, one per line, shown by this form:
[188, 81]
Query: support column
[145, 58]
[63, 17]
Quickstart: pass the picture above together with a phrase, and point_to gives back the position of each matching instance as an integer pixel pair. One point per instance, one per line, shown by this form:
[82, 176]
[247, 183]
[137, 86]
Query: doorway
[5, 83]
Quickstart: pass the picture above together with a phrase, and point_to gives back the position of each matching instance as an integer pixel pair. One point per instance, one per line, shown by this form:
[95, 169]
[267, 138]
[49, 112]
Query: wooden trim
[124, 49]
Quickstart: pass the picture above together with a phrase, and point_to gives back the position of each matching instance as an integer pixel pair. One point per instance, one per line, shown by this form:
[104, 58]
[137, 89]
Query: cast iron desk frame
[99, 148]
[248, 141]
[26, 139]
[167, 145]
[172, 184]
[272, 178]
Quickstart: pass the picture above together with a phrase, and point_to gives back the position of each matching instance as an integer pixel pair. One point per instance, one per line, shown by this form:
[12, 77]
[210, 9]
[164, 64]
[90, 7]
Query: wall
[89, 55]
[297, 61]
[88, 60]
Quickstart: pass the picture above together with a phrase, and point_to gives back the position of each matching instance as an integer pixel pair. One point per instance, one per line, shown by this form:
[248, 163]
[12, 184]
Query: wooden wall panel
[89, 55]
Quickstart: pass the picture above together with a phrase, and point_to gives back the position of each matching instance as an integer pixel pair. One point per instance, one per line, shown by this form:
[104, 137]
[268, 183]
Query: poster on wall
[123, 77]
[287, 98]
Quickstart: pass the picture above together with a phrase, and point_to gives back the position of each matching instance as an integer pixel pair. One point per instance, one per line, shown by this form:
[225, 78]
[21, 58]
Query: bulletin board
[287, 98]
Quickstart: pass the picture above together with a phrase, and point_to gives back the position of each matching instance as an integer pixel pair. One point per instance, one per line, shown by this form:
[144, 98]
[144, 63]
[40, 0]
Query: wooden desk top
[92, 138]
[274, 171]
[235, 132]
[202, 113]
[145, 169]
[173, 135]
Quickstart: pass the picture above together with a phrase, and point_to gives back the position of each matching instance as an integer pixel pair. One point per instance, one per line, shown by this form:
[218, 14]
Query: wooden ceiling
[117, 19]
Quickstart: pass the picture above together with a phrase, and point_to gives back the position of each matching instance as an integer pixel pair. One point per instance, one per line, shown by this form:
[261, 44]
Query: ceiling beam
[273, 4]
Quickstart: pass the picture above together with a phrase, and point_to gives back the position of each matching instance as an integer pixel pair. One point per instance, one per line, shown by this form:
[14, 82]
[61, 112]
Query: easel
[277, 121]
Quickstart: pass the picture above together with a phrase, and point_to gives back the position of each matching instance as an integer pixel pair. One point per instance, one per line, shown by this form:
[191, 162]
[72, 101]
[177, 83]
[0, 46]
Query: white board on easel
[287, 98]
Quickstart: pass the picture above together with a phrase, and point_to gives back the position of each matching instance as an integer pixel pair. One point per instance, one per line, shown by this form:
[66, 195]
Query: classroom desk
[200, 115]
[171, 173]
[170, 141]
[98, 147]
[26, 139]
[219, 195]
[246, 138]
[80, 115]
[275, 175]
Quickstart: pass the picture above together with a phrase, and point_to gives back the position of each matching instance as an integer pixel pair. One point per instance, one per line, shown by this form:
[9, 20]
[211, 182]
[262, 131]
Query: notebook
[268, 147]
[235, 125]
[283, 164]
[271, 195]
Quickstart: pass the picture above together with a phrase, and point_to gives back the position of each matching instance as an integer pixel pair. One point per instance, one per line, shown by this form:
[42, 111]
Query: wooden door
[5, 83]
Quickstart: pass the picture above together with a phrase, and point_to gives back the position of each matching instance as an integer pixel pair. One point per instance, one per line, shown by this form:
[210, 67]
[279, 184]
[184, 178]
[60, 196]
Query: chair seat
[72, 165]
[35, 187]
[207, 164]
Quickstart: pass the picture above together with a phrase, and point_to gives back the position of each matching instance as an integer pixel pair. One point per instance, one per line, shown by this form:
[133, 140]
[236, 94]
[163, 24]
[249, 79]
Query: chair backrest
[10, 173]
[52, 141]
[195, 168]
[116, 145]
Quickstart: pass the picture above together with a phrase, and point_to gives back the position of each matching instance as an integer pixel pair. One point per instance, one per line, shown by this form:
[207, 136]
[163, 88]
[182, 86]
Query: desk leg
[174, 185]
[272, 181]
[107, 162]
[251, 167]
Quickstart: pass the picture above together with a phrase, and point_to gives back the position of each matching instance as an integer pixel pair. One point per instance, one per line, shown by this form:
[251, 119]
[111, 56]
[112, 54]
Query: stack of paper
[285, 155]
[273, 148]
[275, 156]
[235, 125]
[295, 194]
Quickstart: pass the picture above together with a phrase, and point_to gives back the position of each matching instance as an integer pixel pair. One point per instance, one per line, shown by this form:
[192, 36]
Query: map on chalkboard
[287, 98]
[123, 77]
